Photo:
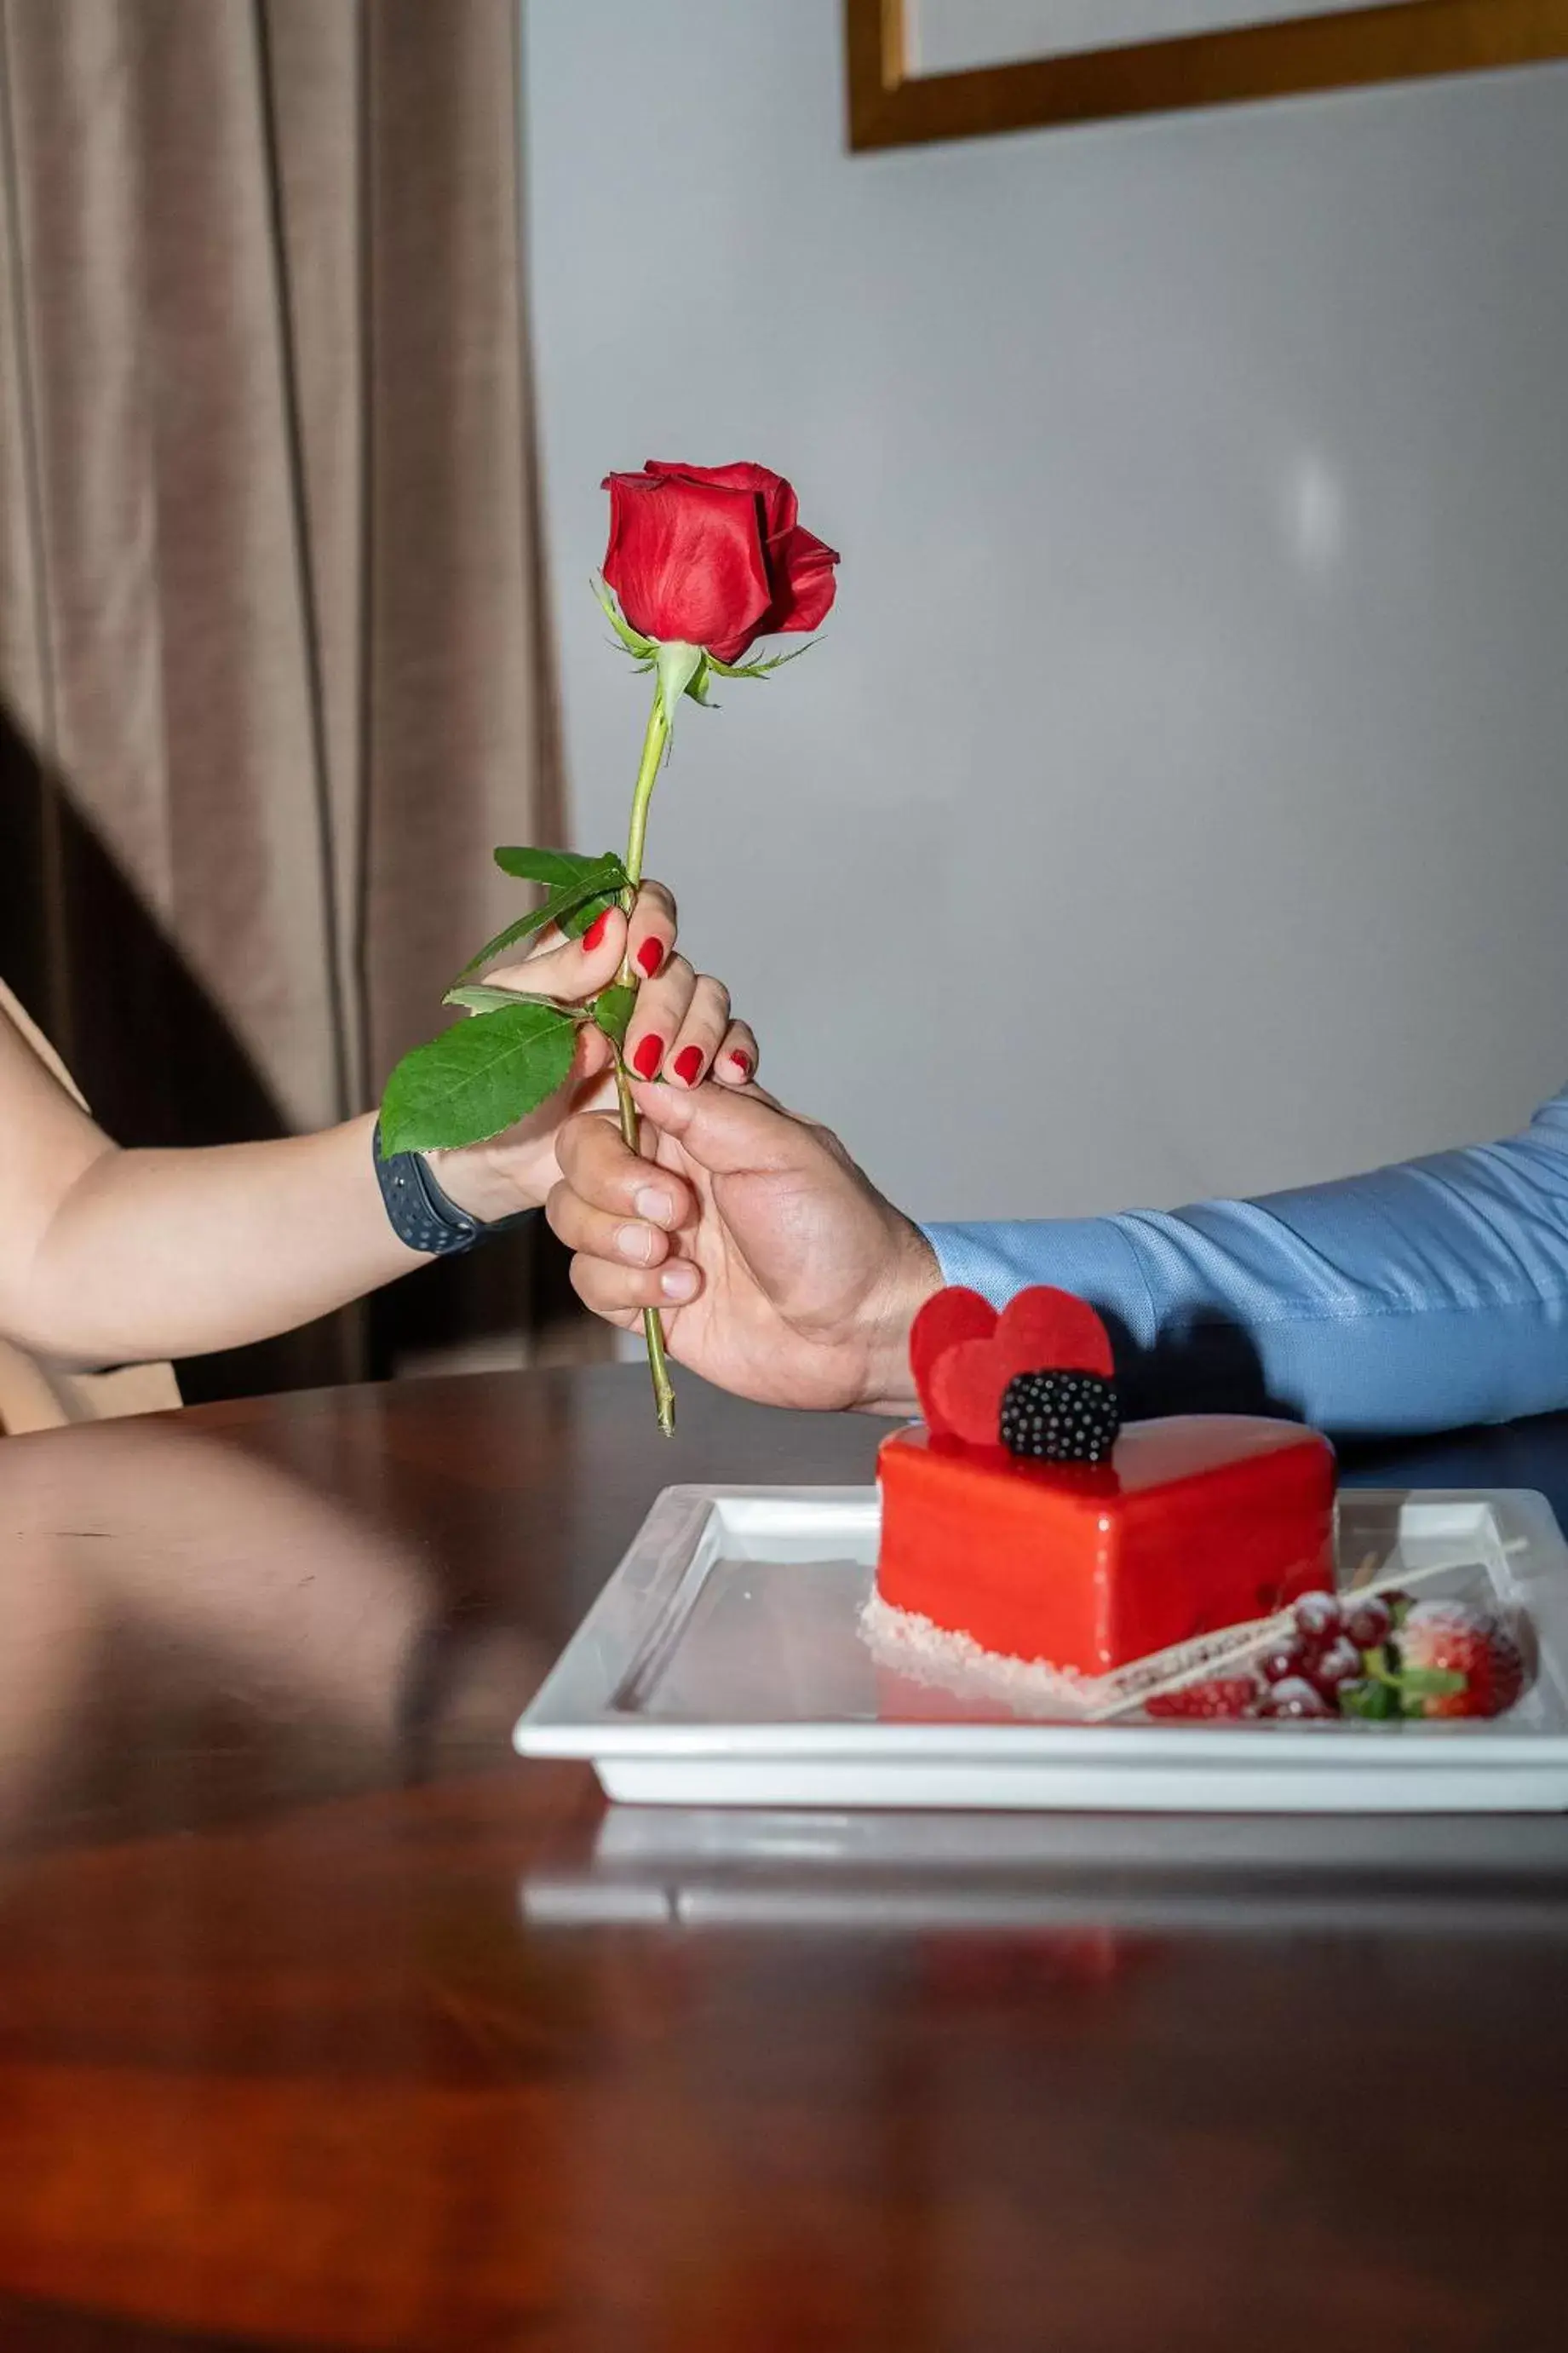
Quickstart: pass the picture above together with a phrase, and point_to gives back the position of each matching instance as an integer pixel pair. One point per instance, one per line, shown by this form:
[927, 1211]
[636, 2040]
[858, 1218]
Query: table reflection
[869, 1872]
[168, 1595]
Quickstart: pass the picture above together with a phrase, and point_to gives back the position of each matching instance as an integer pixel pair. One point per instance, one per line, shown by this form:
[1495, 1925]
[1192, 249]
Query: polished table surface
[325, 2023]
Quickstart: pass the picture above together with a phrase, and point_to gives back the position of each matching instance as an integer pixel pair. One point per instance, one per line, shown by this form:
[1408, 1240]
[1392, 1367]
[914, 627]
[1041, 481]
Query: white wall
[948, 36]
[1179, 800]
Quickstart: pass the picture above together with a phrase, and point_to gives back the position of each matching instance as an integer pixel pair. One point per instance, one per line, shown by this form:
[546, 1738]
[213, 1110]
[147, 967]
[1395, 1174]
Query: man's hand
[681, 1027]
[781, 1271]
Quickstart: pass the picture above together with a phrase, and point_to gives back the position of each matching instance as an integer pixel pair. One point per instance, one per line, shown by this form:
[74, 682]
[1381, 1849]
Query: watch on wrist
[425, 1216]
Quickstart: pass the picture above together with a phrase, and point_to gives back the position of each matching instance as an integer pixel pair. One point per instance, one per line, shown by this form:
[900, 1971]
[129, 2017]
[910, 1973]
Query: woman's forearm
[174, 1253]
[110, 1256]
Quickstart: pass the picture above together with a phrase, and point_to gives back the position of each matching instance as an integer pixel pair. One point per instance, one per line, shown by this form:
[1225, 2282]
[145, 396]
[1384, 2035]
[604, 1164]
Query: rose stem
[647, 772]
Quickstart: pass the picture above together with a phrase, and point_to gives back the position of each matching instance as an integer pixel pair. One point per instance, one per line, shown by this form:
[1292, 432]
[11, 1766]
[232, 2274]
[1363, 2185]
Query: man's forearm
[1417, 1298]
[174, 1253]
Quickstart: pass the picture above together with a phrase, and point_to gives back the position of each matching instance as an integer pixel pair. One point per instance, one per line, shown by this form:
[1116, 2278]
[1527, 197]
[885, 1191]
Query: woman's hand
[682, 1027]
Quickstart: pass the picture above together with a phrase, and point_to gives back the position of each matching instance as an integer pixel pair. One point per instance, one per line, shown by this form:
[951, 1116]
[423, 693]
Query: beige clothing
[37, 1395]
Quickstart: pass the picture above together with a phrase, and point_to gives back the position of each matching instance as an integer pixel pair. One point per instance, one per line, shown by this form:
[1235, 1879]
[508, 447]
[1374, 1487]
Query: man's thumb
[724, 1131]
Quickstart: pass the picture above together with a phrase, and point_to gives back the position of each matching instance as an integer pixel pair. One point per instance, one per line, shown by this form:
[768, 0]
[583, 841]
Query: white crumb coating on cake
[928, 1653]
[915, 1647]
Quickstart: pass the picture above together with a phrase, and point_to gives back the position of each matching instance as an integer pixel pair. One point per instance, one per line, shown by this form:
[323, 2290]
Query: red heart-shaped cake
[1025, 1520]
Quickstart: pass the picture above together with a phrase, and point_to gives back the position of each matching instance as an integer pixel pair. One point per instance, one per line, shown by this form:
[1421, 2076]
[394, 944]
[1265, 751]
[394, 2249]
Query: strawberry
[1454, 1638]
[1221, 1695]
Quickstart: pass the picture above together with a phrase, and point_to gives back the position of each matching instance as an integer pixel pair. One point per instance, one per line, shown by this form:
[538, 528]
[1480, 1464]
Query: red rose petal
[804, 584]
[781, 509]
[686, 559]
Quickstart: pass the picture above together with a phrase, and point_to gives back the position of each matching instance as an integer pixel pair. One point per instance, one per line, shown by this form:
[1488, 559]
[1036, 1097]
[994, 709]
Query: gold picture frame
[890, 106]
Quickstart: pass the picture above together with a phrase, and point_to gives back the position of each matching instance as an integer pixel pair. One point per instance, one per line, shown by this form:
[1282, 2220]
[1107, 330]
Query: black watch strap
[422, 1214]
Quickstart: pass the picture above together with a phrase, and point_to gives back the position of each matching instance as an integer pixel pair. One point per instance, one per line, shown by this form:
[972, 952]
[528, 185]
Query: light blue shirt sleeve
[1422, 1297]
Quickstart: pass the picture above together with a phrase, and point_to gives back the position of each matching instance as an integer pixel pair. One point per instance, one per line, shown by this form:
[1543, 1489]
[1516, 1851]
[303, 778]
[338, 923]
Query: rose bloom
[713, 556]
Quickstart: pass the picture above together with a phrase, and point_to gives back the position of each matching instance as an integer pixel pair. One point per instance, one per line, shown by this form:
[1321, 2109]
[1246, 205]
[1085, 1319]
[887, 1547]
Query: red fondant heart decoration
[945, 1321]
[963, 1354]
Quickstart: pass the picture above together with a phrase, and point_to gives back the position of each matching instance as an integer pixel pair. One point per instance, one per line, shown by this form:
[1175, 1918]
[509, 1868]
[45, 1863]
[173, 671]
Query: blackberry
[1060, 1417]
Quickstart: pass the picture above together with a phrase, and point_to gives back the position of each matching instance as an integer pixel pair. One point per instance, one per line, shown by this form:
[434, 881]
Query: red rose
[712, 557]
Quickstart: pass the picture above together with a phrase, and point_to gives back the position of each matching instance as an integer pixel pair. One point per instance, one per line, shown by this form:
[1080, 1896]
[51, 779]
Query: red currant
[1339, 1663]
[1221, 1695]
[1284, 1657]
[1317, 1617]
[1295, 1700]
[1369, 1622]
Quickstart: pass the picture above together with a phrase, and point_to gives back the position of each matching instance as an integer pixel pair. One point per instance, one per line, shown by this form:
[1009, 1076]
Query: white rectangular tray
[723, 1665]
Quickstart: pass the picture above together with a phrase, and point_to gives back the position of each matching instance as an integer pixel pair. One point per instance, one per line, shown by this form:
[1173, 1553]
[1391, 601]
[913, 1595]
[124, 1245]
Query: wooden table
[309, 2038]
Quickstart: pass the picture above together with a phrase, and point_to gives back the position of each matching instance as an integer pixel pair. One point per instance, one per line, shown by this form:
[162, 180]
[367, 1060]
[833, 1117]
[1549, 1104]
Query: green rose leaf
[477, 996]
[478, 1078]
[599, 880]
[554, 866]
[577, 920]
[612, 1009]
[558, 868]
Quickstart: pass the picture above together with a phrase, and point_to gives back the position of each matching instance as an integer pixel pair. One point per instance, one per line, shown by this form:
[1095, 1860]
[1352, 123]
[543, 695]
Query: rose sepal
[762, 668]
[641, 648]
[646, 651]
[679, 669]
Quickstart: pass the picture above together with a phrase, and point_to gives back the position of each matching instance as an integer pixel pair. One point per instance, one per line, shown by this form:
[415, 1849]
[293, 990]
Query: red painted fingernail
[689, 1065]
[742, 1063]
[650, 956]
[646, 1060]
[593, 936]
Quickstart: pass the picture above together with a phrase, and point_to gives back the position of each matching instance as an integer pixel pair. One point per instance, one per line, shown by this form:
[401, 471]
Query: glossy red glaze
[1198, 1521]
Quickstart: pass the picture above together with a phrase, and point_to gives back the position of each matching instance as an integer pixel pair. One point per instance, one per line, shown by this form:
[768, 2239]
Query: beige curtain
[271, 643]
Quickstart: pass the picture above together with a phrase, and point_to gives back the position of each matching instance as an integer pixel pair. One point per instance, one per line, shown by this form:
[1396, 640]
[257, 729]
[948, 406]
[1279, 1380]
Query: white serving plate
[723, 1665]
